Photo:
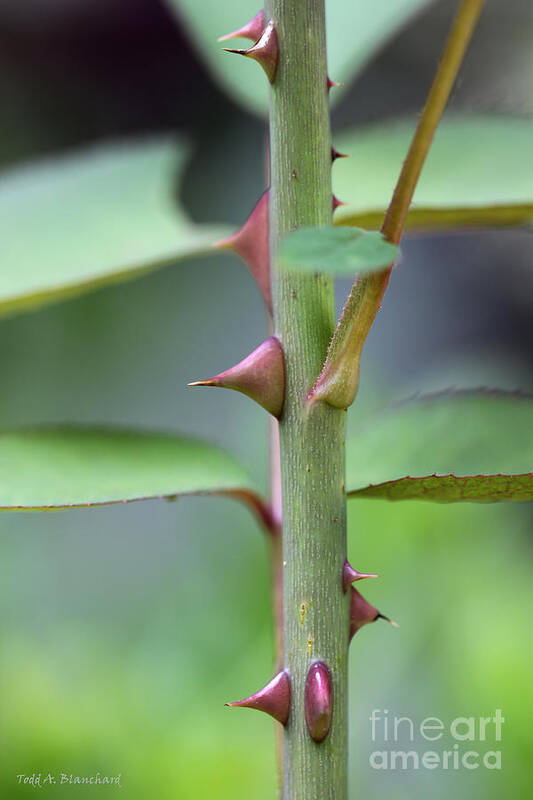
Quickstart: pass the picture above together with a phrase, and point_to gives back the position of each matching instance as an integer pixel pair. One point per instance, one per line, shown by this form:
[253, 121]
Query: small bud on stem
[318, 701]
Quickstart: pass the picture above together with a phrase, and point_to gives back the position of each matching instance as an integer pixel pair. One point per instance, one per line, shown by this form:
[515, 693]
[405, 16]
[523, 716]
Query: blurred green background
[124, 630]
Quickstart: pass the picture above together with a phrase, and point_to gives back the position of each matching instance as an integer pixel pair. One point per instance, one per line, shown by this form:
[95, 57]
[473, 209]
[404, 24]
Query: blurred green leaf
[337, 251]
[478, 173]
[419, 449]
[65, 467]
[355, 32]
[102, 215]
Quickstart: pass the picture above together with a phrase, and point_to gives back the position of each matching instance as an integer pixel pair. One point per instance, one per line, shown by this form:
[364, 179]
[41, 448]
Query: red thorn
[330, 84]
[273, 699]
[251, 243]
[252, 30]
[336, 203]
[335, 154]
[264, 51]
[261, 376]
[318, 701]
[350, 575]
[361, 613]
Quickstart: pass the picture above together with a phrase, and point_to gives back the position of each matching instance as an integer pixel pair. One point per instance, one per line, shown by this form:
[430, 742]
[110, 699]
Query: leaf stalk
[339, 379]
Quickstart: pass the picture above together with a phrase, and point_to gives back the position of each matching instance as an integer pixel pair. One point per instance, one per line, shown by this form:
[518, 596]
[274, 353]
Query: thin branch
[452, 58]
[338, 381]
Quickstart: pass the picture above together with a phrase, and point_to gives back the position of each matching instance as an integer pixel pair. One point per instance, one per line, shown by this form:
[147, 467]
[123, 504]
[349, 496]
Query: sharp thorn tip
[207, 382]
[252, 30]
[222, 244]
[388, 619]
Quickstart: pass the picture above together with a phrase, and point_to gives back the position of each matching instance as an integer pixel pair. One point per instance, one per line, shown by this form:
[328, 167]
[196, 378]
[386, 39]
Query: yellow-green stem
[340, 377]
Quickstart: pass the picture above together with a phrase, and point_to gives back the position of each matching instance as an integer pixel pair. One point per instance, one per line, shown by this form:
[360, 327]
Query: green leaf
[355, 32]
[447, 447]
[337, 251]
[478, 172]
[454, 489]
[102, 215]
[47, 468]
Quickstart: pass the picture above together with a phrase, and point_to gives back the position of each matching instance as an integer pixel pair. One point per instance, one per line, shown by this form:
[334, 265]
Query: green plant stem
[315, 610]
[452, 58]
[276, 569]
[341, 371]
[275, 537]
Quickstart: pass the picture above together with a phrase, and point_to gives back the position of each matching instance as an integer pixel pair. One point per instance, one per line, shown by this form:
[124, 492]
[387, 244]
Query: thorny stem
[269, 517]
[315, 610]
[276, 568]
[275, 540]
[311, 608]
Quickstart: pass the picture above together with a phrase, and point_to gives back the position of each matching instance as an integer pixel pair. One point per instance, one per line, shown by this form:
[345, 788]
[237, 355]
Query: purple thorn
[361, 612]
[261, 376]
[336, 203]
[350, 575]
[251, 244]
[252, 30]
[265, 51]
[273, 699]
[331, 84]
[335, 154]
